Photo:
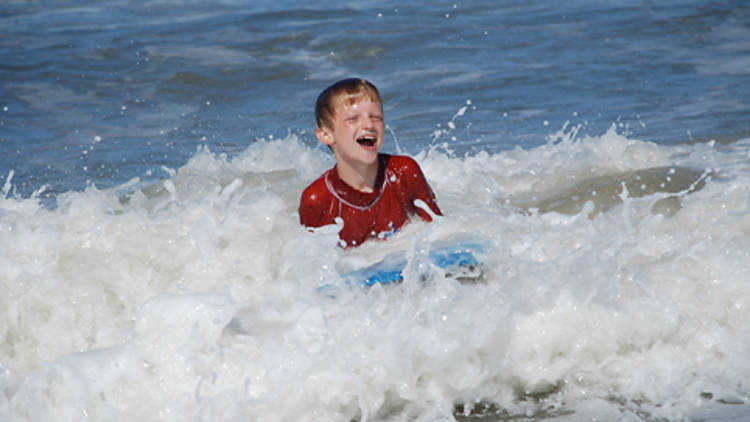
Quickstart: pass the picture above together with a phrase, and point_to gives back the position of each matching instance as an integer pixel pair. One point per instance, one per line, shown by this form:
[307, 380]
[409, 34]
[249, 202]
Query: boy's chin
[370, 157]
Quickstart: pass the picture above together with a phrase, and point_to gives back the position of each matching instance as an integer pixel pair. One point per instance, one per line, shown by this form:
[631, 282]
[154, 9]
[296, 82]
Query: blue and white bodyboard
[459, 261]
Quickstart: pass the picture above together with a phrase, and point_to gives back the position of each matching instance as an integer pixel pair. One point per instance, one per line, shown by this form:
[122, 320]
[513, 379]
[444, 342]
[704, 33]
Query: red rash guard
[368, 215]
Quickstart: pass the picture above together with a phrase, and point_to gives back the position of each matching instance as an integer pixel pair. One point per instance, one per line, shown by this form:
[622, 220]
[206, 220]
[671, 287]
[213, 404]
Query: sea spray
[197, 297]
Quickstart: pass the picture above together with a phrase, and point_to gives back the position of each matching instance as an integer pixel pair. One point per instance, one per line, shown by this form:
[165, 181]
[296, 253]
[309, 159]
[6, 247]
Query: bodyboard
[459, 261]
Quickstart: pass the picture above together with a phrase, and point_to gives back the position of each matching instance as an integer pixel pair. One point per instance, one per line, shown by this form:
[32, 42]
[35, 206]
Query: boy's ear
[324, 136]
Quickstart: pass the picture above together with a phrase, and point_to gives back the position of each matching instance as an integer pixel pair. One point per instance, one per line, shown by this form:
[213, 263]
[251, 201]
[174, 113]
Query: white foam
[196, 298]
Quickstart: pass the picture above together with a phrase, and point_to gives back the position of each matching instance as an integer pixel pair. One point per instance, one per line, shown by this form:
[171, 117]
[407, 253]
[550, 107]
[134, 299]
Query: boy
[373, 193]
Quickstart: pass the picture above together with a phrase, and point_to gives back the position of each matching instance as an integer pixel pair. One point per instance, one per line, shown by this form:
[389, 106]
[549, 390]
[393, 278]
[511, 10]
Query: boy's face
[357, 131]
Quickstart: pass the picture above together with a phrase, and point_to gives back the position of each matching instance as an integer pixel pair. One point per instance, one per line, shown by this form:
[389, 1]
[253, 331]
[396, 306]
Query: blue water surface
[100, 92]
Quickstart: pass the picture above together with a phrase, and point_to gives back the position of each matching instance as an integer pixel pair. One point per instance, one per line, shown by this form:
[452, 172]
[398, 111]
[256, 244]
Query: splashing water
[195, 297]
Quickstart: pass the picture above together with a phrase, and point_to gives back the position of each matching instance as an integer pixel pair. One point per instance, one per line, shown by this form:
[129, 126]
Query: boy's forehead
[345, 102]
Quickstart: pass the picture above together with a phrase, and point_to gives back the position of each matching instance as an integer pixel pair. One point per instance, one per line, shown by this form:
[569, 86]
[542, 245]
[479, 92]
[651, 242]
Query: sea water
[152, 266]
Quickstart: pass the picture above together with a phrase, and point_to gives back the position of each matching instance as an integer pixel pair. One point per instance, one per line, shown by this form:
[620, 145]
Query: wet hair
[344, 92]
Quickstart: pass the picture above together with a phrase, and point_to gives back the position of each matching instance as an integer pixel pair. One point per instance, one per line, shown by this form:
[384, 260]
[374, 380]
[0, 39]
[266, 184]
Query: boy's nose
[368, 122]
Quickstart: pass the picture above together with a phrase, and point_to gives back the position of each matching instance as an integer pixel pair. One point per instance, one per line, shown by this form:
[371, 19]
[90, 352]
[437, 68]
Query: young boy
[374, 194]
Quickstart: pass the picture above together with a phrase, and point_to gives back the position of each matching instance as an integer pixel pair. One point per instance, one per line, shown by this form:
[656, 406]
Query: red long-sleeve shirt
[368, 215]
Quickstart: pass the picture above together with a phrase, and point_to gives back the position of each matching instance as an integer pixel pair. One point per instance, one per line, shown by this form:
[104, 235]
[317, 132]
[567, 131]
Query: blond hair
[344, 92]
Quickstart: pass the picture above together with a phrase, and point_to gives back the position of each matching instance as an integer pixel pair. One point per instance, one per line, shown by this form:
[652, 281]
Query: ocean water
[152, 266]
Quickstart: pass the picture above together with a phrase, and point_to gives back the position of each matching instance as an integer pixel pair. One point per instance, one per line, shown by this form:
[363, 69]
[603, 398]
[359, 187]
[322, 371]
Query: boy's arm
[426, 194]
[313, 206]
[419, 189]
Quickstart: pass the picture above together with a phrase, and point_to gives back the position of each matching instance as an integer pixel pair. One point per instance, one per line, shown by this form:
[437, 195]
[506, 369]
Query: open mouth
[366, 141]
